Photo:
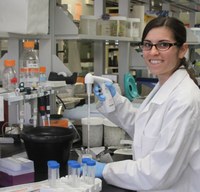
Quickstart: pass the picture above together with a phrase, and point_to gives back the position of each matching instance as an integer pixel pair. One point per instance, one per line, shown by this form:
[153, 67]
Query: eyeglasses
[160, 46]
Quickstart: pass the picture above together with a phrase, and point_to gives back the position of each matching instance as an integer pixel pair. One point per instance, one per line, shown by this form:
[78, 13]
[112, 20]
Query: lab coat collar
[167, 88]
[160, 93]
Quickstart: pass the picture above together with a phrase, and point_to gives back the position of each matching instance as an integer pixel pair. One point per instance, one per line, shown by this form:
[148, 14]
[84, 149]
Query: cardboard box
[24, 16]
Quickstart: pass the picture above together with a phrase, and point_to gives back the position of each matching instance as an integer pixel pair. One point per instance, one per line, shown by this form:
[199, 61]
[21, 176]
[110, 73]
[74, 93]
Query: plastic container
[29, 65]
[85, 168]
[42, 76]
[75, 174]
[133, 28]
[9, 79]
[196, 32]
[112, 133]
[103, 27]
[88, 24]
[118, 26]
[95, 131]
[15, 171]
[53, 173]
[45, 143]
[91, 164]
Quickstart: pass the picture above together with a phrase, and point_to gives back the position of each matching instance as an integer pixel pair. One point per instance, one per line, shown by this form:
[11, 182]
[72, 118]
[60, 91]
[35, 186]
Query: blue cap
[91, 163]
[54, 165]
[76, 165]
[50, 162]
[69, 162]
[84, 160]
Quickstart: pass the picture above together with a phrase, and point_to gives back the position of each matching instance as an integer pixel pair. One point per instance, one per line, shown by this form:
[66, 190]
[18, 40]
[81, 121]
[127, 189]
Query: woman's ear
[183, 50]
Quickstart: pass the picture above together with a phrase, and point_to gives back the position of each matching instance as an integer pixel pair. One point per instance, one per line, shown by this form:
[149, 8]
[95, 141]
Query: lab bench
[16, 148]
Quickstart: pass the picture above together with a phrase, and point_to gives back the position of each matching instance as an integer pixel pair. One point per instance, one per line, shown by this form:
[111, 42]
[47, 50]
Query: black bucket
[48, 143]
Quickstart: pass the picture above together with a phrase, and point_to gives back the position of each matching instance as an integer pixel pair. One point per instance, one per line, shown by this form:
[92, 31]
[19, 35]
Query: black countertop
[12, 149]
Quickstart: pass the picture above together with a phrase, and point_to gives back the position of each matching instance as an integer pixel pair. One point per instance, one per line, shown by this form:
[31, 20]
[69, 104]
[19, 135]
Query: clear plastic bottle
[42, 76]
[29, 69]
[9, 79]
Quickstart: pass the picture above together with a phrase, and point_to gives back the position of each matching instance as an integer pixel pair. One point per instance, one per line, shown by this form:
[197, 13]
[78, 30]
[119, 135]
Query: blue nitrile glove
[111, 88]
[98, 93]
[99, 169]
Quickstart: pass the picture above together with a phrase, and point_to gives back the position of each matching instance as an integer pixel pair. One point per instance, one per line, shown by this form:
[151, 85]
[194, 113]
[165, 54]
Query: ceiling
[174, 5]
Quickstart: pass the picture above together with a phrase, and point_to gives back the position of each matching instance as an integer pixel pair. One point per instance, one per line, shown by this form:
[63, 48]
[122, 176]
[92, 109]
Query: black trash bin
[47, 143]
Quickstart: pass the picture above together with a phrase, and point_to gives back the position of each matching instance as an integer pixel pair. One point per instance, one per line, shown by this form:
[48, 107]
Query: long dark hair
[179, 31]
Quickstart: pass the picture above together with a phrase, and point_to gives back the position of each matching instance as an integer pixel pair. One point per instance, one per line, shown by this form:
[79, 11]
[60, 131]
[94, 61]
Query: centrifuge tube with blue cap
[76, 173]
[69, 170]
[85, 168]
[53, 173]
[91, 172]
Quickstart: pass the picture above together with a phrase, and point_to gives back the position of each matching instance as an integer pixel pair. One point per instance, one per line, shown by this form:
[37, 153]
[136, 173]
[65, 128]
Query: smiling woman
[165, 128]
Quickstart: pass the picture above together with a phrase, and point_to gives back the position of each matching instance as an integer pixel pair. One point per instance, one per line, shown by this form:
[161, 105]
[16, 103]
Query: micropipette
[108, 104]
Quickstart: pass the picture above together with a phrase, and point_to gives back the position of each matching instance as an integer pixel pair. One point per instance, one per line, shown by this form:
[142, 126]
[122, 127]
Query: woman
[166, 127]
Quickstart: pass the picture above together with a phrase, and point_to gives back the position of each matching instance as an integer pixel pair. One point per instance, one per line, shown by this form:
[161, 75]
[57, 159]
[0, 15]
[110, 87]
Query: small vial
[69, 170]
[91, 172]
[53, 173]
[84, 168]
[76, 172]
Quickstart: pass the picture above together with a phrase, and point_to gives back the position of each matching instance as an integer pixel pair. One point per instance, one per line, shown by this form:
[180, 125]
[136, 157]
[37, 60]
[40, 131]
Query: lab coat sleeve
[163, 166]
[123, 109]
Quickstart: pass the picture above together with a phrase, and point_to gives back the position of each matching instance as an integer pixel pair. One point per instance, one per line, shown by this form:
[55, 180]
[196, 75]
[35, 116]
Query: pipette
[108, 104]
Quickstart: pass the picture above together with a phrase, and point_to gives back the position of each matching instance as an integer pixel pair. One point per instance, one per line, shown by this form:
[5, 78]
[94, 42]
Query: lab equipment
[133, 28]
[90, 178]
[118, 26]
[15, 171]
[85, 168]
[130, 87]
[53, 173]
[42, 76]
[96, 128]
[69, 170]
[45, 143]
[111, 129]
[9, 79]
[29, 65]
[41, 106]
[47, 104]
[75, 174]
[90, 79]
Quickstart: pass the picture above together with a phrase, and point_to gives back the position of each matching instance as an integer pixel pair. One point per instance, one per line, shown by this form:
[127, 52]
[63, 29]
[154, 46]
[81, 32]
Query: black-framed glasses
[160, 46]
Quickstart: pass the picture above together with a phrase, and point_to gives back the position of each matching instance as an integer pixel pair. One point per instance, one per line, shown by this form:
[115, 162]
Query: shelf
[23, 36]
[84, 37]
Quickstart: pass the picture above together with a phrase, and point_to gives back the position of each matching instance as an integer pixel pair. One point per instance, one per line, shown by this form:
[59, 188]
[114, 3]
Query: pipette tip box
[15, 171]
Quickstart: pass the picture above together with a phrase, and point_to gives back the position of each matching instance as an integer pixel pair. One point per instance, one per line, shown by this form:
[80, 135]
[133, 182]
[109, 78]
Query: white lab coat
[166, 134]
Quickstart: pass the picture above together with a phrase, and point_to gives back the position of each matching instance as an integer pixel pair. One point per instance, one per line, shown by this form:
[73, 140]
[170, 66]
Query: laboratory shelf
[23, 36]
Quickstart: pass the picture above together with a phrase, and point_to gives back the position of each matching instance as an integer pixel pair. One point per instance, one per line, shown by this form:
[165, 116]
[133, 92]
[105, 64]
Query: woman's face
[163, 63]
